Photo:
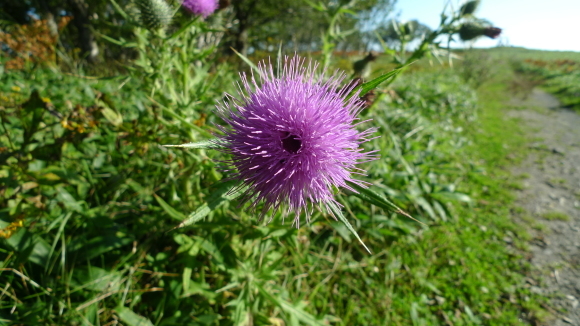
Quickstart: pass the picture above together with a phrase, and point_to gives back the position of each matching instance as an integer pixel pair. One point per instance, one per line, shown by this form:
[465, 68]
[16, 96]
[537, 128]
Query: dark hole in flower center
[291, 143]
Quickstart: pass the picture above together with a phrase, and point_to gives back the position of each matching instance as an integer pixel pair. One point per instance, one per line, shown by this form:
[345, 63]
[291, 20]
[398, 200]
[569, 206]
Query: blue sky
[534, 24]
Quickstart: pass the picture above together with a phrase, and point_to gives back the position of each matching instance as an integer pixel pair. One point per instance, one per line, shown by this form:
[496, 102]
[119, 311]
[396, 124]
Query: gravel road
[551, 196]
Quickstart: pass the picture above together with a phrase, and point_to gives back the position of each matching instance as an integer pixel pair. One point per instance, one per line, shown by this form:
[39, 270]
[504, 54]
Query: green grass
[521, 54]
[558, 181]
[556, 216]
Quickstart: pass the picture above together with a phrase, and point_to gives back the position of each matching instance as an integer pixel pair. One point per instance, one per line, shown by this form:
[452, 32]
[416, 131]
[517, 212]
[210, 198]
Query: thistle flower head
[292, 137]
[201, 7]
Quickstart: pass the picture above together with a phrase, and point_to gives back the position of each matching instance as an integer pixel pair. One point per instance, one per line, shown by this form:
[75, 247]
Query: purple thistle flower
[293, 138]
[201, 7]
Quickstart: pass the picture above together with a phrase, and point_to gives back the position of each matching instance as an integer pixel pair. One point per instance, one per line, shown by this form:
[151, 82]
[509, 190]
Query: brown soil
[551, 197]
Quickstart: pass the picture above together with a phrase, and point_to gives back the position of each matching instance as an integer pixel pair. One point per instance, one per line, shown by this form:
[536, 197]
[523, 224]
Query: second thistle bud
[154, 14]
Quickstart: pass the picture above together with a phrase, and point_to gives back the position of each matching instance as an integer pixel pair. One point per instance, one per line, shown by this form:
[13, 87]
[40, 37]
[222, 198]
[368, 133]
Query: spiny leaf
[374, 198]
[336, 212]
[368, 86]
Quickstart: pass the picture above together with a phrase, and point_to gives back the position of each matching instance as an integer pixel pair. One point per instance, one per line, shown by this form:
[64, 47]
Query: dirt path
[551, 196]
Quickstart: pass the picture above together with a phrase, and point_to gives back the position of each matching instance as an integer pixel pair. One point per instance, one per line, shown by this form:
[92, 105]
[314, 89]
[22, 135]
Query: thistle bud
[154, 13]
[468, 8]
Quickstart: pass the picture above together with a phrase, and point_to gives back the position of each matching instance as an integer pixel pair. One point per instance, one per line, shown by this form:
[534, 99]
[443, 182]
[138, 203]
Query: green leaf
[30, 247]
[386, 49]
[337, 213]
[249, 62]
[210, 248]
[226, 192]
[184, 28]
[69, 201]
[368, 86]
[101, 244]
[421, 201]
[209, 143]
[181, 119]
[97, 279]
[342, 230]
[119, 9]
[34, 109]
[112, 116]
[119, 43]
[292, 310]
[447, 195]
[168, 209]
[132, 319]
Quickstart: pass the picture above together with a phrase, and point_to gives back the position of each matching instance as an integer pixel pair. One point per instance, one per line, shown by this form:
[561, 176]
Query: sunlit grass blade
[225, 192]
[204, 144]
[248, 61]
